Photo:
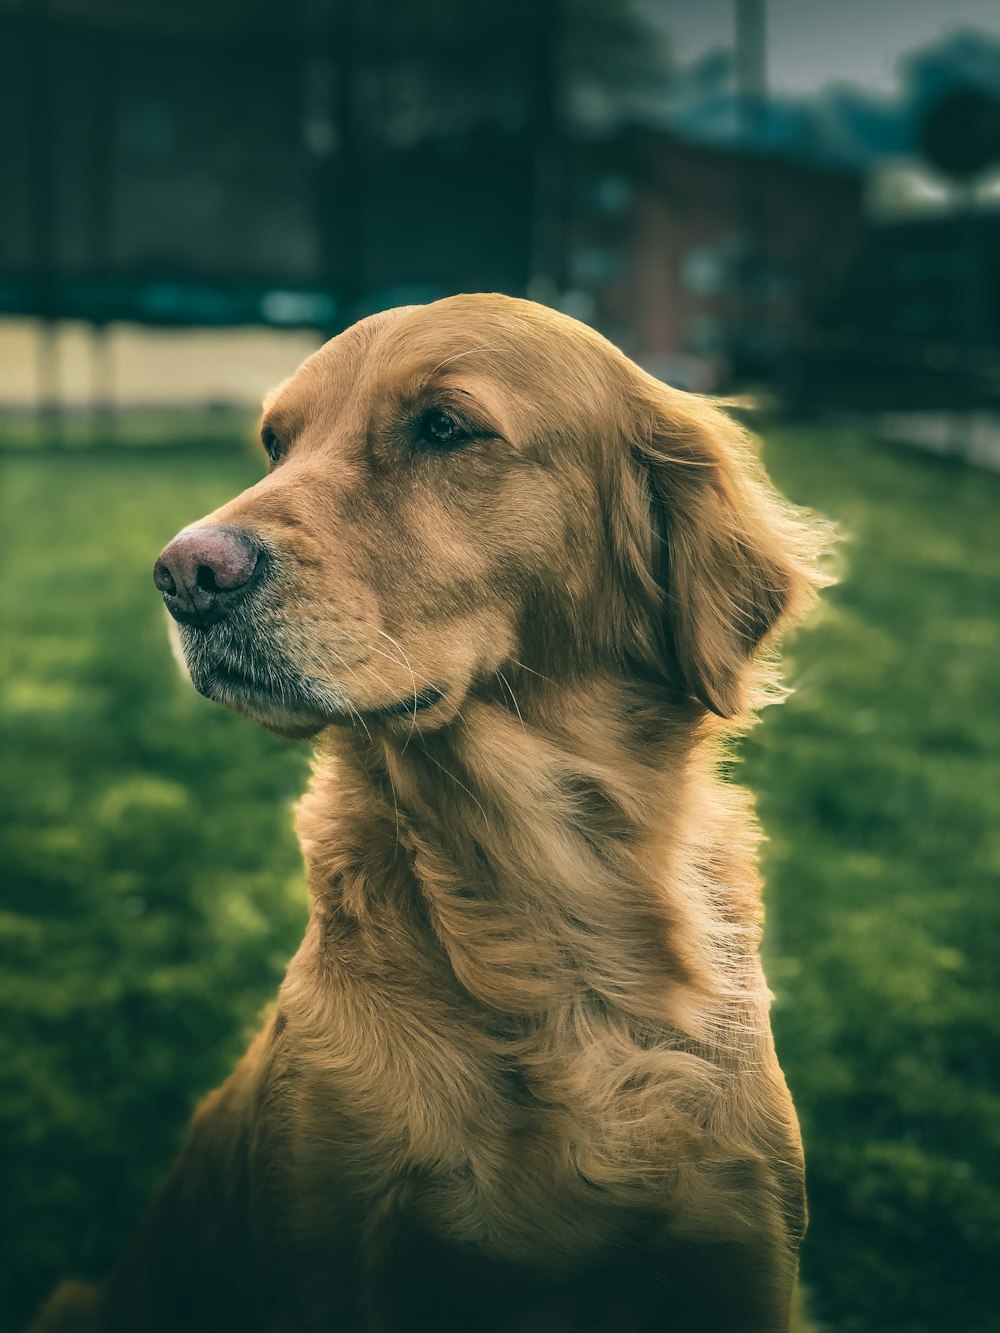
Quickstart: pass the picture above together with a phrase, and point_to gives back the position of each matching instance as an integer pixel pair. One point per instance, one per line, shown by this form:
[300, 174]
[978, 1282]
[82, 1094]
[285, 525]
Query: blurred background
[796, 198]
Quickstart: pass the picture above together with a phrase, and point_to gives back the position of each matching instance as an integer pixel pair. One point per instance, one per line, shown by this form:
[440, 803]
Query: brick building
[704, 263]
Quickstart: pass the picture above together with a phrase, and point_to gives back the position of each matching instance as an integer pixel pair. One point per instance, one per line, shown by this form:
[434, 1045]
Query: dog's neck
[559, 843]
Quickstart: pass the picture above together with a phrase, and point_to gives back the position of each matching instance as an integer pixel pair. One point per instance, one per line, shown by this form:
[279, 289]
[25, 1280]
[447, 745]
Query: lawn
[152, 888]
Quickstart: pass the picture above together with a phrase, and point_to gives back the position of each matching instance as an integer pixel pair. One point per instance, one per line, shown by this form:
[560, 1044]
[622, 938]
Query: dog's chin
[286, 726]
[266, 691]
[270, 691]
[289, 720]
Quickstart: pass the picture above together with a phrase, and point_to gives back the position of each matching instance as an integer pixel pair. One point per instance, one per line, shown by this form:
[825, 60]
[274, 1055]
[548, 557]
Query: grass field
[151, 884]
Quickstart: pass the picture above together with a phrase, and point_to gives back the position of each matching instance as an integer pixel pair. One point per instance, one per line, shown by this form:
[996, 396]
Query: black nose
[204, 572]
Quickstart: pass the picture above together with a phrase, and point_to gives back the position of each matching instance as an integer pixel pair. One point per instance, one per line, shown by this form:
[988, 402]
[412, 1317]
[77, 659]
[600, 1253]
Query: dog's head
[470, 485]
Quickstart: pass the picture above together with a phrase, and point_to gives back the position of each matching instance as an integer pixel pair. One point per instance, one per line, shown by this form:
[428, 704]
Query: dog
[519, 1077]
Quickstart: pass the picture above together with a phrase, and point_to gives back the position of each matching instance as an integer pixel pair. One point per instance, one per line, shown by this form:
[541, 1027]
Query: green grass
[879, 786]
[152, 888]
[76, 430]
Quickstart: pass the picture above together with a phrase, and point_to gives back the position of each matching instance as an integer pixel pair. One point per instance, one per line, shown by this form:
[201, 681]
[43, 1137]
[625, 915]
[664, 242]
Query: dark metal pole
[751, 58]
[751, 75]
[545, 278]
[347, 175]
[105, 66]
[970, 290]
[329, 122]
[42, 194]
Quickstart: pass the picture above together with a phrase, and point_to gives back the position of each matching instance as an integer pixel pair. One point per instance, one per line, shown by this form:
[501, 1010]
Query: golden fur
[520, 1073]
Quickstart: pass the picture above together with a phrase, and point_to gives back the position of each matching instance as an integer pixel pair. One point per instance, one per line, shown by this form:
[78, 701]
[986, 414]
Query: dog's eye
[438, 429]
[272, 444]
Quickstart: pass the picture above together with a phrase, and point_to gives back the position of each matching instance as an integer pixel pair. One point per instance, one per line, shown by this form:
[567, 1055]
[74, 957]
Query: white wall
[149, 367]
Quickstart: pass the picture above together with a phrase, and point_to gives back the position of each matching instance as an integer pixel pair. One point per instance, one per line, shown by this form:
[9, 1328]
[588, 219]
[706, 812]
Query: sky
[815, 42]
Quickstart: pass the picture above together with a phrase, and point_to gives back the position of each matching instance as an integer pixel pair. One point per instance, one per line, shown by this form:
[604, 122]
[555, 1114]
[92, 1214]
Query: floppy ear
[719, 558]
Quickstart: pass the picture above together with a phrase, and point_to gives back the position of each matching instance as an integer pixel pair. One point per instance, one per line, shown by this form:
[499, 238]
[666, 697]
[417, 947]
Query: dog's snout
[204, 571]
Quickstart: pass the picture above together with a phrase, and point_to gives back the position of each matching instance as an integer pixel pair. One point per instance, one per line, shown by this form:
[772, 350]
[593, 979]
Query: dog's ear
[716, 557]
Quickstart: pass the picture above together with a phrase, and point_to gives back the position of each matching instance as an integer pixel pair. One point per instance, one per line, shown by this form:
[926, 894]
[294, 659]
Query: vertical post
[545, 276]
[329, 119]
[49, 394]
[751, 59]
[344, 240]
[101, 220]
[751, 76]
[325, 116]
[41, 185]
[102, 385]
[974, 264]
[970, 291]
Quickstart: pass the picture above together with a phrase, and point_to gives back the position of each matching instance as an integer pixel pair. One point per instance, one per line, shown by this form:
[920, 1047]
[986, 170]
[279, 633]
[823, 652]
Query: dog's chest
[414, 1106]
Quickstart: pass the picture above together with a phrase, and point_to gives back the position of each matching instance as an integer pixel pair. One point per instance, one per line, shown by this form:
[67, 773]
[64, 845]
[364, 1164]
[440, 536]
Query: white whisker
[513, 700]
[448, 773]
[457, 356]
[532, 671]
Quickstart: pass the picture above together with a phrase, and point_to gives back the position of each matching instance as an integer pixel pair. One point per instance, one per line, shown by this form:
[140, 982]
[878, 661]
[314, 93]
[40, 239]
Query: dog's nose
[203, 572]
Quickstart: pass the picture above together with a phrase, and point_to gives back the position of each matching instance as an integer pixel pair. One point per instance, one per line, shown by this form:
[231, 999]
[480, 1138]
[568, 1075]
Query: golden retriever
[520, 1075]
